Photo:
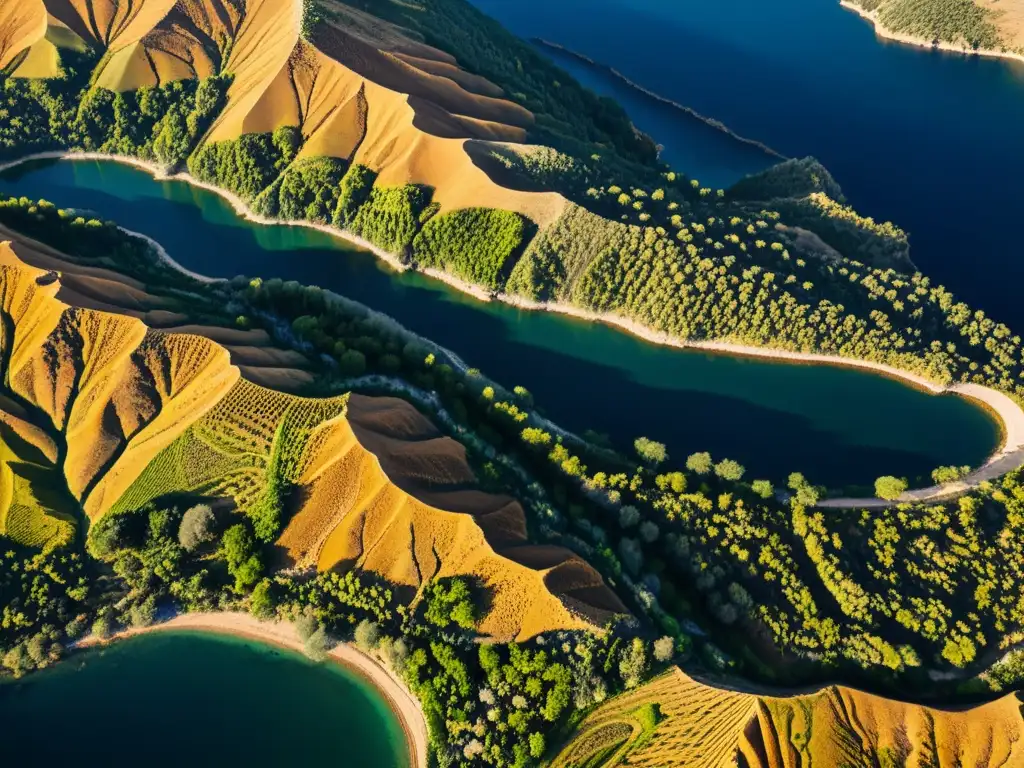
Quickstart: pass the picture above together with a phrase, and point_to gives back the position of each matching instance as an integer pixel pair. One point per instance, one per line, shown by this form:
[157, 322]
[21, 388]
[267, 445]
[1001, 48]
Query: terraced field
[707, 727]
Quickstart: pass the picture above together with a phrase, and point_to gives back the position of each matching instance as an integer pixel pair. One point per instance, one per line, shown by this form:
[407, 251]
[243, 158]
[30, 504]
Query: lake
[930, 140]
[837, 426]
[188, 698]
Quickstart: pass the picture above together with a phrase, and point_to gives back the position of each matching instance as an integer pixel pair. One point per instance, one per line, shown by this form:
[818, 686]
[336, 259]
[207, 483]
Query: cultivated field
[701, 726]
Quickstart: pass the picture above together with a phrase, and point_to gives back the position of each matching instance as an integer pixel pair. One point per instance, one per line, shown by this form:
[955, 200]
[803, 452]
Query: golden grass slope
[365, 91]
[404, 507]
[115, 392]
[708, 727]
[22, 24]
[124, 415]
[109, 24]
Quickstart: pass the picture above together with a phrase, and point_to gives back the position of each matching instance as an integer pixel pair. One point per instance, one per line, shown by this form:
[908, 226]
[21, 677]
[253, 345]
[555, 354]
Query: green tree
[700, 463]
[650, 451]
[196, 527]
[890, 488]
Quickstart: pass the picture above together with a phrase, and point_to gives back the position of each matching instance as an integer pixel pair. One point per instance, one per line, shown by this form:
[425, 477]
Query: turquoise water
[836, 425]
[191, 699]
[930, 140]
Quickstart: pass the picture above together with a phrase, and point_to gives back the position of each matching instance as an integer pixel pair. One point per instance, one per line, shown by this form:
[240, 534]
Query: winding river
[188, 698]
[840, 427]
[928, 139]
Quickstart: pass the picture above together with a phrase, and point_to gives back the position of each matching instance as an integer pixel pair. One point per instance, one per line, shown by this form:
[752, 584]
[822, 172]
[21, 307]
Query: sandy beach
[1009, 455]
[920, 42]
[404, 704]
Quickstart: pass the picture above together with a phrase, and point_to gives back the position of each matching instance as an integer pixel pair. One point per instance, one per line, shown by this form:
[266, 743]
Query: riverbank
[919, 42]
[1006, 412]
[284, 635]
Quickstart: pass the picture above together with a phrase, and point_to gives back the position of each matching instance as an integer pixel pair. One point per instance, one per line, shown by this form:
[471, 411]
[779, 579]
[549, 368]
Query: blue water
[933, 141]
[836, 425]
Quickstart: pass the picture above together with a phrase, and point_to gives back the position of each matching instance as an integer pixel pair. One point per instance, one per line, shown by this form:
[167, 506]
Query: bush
[890, 488]
[728, 469]
[196, 527]
[699, 462]
[650, 451]
[367, 635]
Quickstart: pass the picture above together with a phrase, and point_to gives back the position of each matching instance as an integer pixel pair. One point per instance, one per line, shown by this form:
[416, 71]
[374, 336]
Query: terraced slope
[700, 726]
[362, 91]
[100, 413]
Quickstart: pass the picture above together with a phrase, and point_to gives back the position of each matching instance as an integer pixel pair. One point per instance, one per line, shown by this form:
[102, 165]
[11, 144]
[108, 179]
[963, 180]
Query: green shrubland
[475, 244]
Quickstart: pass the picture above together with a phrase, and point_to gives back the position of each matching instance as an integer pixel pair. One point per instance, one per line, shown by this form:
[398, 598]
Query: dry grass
[382, 491]
[369, 92]
[22, 25]
[708, 727]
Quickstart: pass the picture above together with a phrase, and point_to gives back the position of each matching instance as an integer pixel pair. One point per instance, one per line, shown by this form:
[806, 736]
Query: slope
[123, 414]
[677, 721]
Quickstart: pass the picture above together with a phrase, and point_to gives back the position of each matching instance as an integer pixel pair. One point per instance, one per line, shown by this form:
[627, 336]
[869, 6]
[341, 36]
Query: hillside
[121, 415]
[677, 721]
[989, 25]
[408, 119]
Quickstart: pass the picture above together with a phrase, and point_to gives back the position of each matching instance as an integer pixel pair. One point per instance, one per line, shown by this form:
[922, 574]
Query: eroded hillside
[363, 90]
[677, 721]
[101, 412]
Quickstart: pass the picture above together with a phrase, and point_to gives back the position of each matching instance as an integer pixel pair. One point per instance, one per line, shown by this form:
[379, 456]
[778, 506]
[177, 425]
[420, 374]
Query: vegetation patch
[475, 244]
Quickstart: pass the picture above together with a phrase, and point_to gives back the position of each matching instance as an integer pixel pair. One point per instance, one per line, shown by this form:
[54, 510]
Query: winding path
[1008, 458]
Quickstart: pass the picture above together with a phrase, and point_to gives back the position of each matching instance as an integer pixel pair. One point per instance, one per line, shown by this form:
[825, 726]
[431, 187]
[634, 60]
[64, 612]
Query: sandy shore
[920, 42]
[283, 634]
[1007, 412]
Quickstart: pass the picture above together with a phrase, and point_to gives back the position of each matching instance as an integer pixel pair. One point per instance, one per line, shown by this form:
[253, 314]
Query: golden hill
[701, 726]
[101, 412]
[363, 91]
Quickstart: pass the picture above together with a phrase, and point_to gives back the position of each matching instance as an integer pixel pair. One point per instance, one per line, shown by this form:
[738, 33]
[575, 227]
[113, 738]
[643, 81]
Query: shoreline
[711, 122]
[919, 42]
[402, 703]
[1008, 415]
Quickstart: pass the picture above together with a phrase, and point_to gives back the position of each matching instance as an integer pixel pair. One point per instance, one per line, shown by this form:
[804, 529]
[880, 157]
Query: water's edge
[1008, 414]
[400, 700]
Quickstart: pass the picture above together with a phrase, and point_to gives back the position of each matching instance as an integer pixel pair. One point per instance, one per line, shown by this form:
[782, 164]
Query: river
[928, 139]
[838, 426]
[186, 698]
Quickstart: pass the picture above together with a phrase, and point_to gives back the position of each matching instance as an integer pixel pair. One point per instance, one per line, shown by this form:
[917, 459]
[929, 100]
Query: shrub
[699, 462]
[196, 527]
[650, 451]
[890, 488]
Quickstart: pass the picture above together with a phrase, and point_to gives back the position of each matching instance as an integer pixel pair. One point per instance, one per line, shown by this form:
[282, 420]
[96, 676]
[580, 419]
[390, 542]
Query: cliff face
[100, 413]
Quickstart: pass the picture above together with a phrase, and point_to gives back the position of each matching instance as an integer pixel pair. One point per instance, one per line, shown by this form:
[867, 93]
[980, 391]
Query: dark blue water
[708, 154]
[933, 141]
[838, 426]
